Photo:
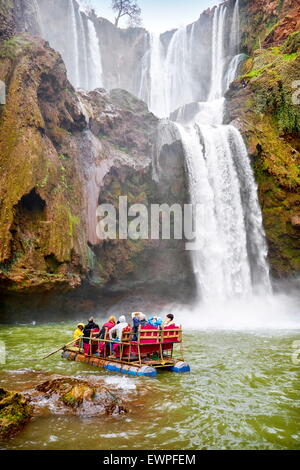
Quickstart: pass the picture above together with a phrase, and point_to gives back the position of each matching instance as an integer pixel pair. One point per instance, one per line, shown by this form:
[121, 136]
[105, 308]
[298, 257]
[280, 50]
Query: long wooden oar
[57, 350]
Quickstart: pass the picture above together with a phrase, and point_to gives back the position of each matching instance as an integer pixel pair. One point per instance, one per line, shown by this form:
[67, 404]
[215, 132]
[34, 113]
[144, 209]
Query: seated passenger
[112, 321]
[143, 320]
[155, 321]
[118, 329]
[78, 333]
[135, 323]
[90, 328]
[139, 319]
[168, 321]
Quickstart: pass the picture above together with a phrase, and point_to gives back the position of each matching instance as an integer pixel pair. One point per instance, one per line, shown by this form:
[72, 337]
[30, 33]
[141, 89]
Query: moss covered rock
[42, 237]
[15, 412]
[261, 104]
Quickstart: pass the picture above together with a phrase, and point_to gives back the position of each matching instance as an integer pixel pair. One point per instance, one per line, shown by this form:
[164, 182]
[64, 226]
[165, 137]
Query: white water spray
[73, 26]
[235, 31]
[96, 78]
[84, 69]
[233, 68]
[171, 78]
[218, 49]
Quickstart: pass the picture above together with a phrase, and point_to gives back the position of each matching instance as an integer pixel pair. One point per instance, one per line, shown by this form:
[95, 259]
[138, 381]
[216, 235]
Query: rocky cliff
[263, 103]
[63, 153]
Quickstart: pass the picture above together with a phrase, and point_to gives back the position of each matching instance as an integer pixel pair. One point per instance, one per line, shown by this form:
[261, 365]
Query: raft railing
[151, 337]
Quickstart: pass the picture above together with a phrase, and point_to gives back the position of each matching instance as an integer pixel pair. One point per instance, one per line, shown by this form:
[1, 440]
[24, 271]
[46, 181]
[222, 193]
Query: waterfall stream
[95, 69]
[230, 253]
[183, 75]
[73, 27]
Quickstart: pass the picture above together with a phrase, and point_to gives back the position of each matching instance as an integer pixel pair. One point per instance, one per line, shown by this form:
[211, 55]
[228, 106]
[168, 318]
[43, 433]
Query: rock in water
[79, 396]
[15, 412]
[76, 396]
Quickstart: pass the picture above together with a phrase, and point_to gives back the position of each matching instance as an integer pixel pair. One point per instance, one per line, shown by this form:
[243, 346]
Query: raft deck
[153, 350]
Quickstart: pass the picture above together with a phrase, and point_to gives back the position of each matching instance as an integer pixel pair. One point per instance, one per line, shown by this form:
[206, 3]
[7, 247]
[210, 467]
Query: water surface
[242, 393]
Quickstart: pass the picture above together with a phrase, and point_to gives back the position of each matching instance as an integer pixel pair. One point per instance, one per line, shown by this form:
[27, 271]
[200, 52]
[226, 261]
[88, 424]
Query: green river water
[243, 392]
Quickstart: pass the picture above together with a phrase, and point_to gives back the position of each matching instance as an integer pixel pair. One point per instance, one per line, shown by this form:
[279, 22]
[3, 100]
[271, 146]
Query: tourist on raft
[139, 319]
[117, 329]
[155, 321]
[89, 330]
[111, 323]
[168, 321]
[78, 333]
[115, 334]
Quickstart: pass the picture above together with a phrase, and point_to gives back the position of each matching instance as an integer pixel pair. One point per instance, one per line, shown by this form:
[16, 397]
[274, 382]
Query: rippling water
[243, 393]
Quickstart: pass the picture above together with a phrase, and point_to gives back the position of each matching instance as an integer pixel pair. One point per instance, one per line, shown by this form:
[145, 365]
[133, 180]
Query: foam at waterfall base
[202, 112]
[255, 312]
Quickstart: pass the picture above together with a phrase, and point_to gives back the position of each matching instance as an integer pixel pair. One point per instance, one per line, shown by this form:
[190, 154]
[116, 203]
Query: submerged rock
[79, 396]
[15, 412]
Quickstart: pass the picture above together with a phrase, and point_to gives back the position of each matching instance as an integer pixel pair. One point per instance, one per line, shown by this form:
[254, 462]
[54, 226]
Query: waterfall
[235, 30]
[229, 254]
[38, 19]
[220, 261]
[218, 50]
[157, 98]
[95, 72]
[171, 76]
[73, 25]
[84, 69]
[233, 68]
[183, 75]
[229, 223]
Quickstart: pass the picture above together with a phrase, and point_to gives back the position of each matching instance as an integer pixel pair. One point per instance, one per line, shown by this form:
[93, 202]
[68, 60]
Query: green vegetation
[14, 412]
[13, 47]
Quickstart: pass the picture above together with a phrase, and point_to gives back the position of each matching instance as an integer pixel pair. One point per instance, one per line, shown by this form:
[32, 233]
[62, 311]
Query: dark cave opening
[32, 202]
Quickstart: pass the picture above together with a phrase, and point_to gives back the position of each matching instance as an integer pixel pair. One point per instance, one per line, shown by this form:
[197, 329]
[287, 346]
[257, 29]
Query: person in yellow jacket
[78, 332]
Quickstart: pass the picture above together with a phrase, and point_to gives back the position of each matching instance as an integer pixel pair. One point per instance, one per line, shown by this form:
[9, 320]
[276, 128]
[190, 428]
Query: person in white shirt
[118, 329]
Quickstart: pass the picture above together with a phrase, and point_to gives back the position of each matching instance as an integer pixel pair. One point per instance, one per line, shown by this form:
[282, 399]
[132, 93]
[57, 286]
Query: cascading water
[95, 72]
[171, 75]
[233, 68]
[73, 28]
[230, 252]
[37, 17]
[177, 72]
[78, 45]
[235, 31]
[216, 90]
[84, 69]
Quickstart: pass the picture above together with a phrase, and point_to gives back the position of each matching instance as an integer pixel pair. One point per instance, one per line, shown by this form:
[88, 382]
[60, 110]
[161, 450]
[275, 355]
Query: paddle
[57, 350]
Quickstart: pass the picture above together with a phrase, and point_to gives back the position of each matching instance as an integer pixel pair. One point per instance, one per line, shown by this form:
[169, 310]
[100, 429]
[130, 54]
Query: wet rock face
[260, 102]
[15, 412]
[62, 154]
[129, 135]
[40, 209]
[7, 21]
[267, 22]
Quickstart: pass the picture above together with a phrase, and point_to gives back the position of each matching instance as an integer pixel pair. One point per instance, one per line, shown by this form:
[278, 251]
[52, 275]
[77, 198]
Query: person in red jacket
[111, 323]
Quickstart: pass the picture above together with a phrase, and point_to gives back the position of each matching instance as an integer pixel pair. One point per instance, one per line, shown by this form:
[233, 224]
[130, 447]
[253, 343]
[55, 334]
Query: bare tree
[127, 8]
